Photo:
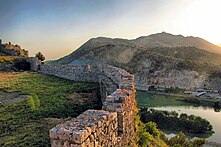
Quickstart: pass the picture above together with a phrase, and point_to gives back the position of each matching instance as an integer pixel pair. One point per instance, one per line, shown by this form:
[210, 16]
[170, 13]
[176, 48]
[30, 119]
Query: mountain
[161, 59]
[168, 40]
[156, 40]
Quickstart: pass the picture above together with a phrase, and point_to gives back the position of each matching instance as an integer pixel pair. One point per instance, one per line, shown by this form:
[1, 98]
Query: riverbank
[191, 99]
[174, 103]
[173, 121]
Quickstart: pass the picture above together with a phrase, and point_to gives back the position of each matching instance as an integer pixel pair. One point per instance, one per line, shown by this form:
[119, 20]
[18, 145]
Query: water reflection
[171, 103]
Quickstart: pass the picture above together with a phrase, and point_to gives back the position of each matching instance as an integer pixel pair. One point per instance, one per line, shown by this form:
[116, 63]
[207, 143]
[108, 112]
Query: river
[172, 103]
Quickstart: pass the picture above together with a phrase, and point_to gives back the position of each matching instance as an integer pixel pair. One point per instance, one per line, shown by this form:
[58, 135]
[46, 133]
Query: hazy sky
[57, 27]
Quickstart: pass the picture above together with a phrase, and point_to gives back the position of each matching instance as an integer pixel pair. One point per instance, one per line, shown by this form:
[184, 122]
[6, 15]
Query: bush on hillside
[40, 56]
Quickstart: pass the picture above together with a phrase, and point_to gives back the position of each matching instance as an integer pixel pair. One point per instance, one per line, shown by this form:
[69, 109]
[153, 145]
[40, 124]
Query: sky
[58, 27]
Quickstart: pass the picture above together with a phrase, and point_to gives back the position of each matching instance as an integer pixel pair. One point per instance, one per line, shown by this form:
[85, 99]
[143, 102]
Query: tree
[151, 127]
[178, 140]
[184, 116]
[40, 56]
[174, 114]
[198, 142]
[144, 139]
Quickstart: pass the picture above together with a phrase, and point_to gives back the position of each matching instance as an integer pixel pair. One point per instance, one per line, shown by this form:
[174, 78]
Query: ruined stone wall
[123, 102]
[6, 66]
[34, 63]
[106, 75]
[92, 128]
[72, 72]
[111, 126]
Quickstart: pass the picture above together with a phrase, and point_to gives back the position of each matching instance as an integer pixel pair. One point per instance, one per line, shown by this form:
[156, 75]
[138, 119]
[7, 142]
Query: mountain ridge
[144, 42]
[161, 59]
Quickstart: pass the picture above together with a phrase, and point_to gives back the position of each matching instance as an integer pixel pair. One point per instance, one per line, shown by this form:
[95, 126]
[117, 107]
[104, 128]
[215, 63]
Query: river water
[172, 103]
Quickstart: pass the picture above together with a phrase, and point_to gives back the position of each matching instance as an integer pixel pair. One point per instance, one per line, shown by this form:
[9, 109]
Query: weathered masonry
[111, 126]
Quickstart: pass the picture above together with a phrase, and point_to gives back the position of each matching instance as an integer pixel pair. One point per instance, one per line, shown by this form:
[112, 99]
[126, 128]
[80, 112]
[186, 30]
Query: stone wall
[72, 72]
[92, 128]
[107, 75]
[111, 126]
[6, 67]
[34, 63]
[123, 102]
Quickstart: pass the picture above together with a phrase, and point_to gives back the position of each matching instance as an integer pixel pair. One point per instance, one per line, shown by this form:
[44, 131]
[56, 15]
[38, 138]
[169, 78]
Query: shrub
[40, 56]
[174, 121]
[198, 142]
[151, 127]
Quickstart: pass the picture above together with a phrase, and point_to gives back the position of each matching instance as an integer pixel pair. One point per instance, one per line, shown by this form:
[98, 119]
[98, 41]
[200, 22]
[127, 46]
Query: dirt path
[7, 98]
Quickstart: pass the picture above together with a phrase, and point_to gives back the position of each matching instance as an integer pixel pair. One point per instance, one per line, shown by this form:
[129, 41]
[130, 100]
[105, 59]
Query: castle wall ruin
[111, 126]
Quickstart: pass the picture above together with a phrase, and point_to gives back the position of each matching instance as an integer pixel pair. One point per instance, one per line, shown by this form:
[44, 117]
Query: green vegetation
[174, 121]
[189, 54]
[148, 135]
[40, 56]
[50, 100]
[180, 141]
[16, 47]
[174, 90]
[179, 58]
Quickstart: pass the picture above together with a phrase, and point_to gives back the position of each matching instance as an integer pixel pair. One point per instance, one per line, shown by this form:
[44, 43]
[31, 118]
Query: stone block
[56, 143]
[76, 145]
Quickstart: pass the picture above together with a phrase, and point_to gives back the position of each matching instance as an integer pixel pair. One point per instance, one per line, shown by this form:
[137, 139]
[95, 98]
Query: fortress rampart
[111, 126]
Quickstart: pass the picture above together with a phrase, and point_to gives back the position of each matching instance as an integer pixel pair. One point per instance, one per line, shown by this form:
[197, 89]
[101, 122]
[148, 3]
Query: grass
[28, 122]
